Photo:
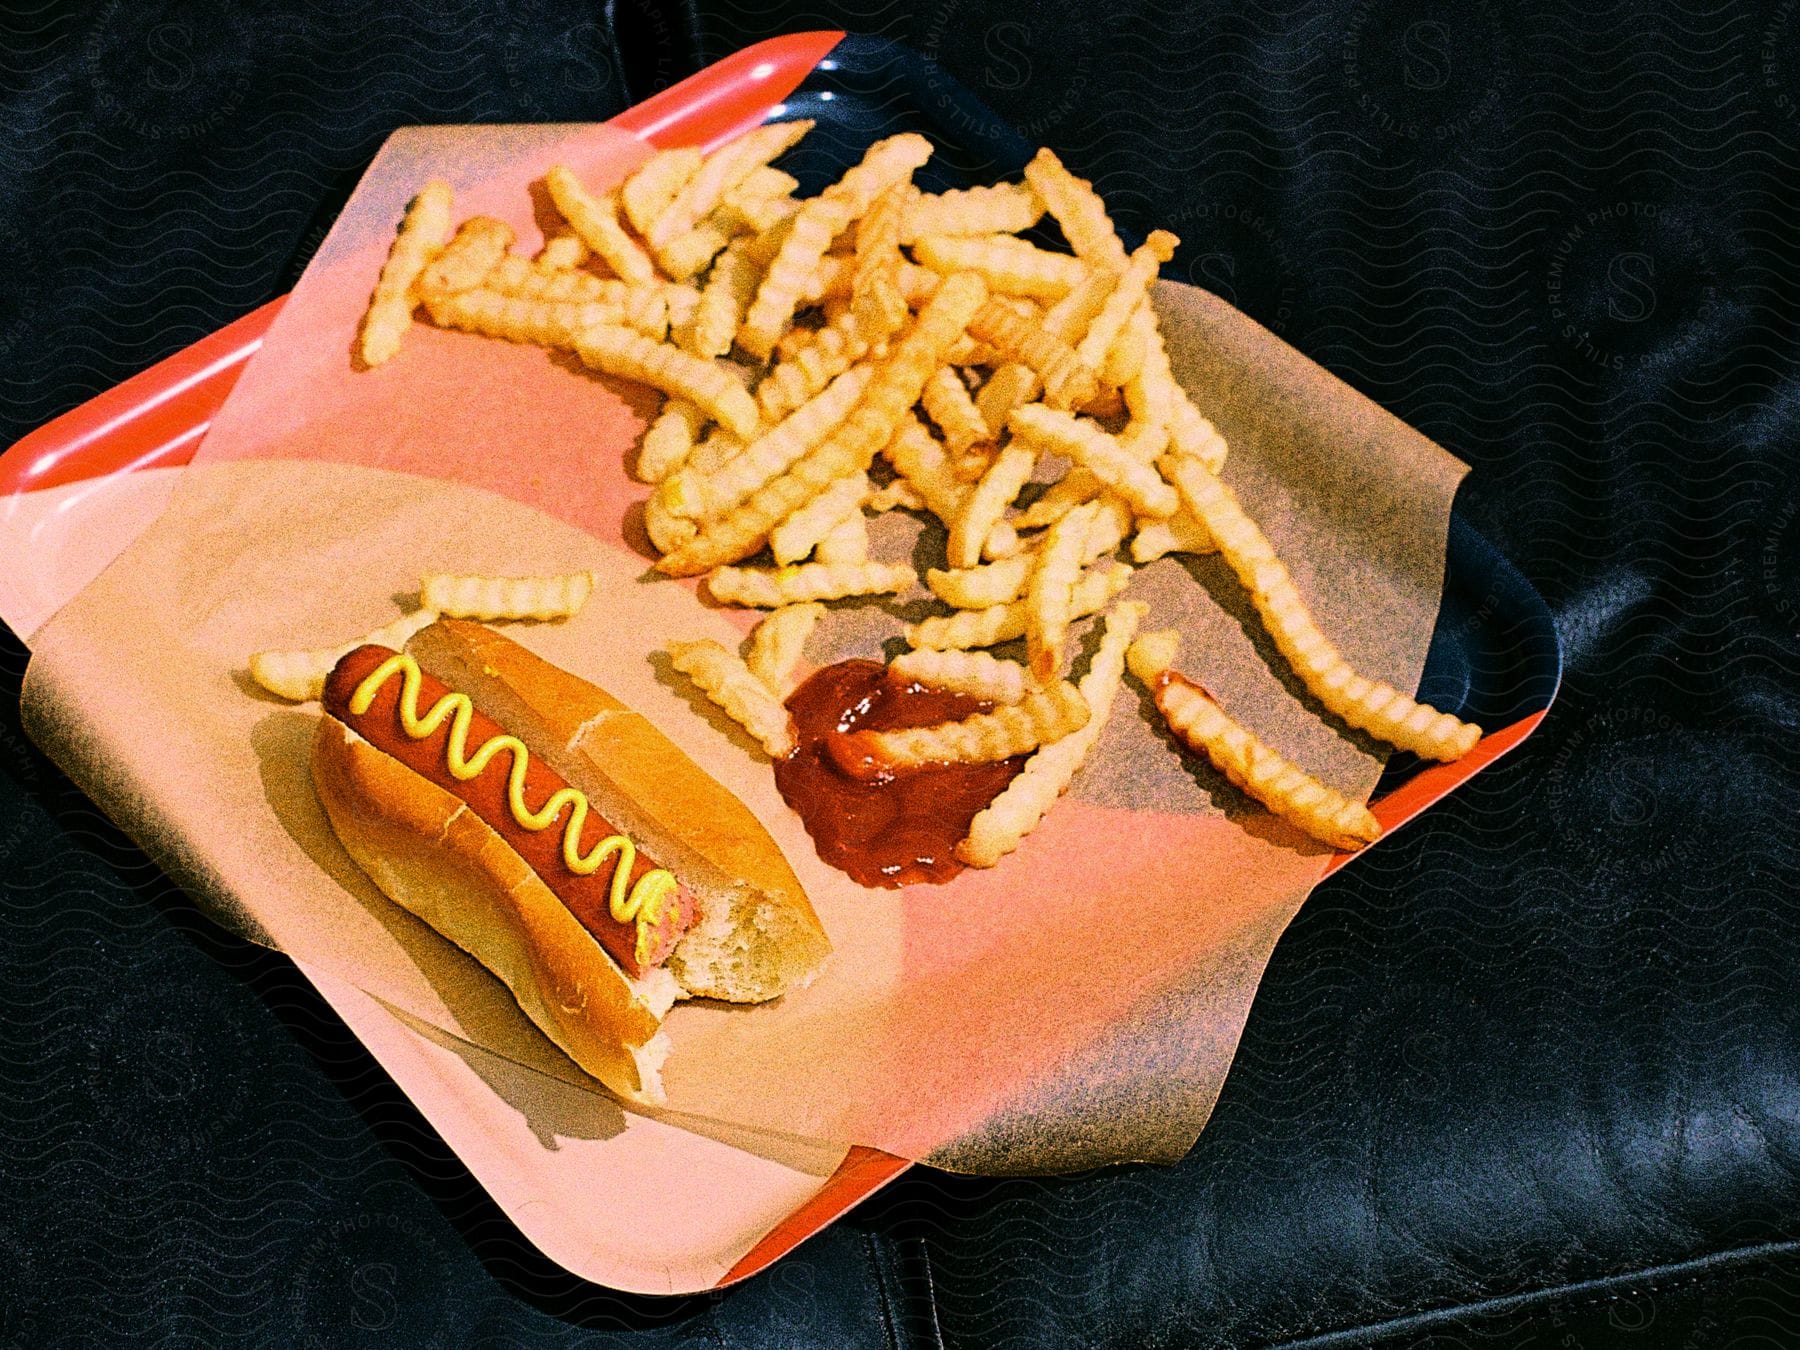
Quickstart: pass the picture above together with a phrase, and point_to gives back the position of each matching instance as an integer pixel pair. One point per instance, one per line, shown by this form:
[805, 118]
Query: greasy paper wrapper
[1078, 1004]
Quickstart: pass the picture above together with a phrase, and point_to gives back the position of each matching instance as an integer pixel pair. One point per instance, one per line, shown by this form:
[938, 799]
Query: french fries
[487, 598]
[1041, 717]
[1291, 793]
[300, 675]
[799, 340]
[771, 588]
[728, 682]
[777, 642]
[976, 674]
[1002, 825]
[422, 232]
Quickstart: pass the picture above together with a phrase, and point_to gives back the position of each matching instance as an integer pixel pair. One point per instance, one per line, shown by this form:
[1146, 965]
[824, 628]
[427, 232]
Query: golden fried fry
[898, 495]
[771, 588]
[596, 220]
[630, 355]
[461, 265]
[891, 160]
[1066, 380]
[544, 323]
[819, 358]
[1002, 623]
[1075, 488]
[300, 676]
[790, 275]
[1078, 209]
[984, 507]
[527, 280]
[1003, 208]
[1011, 386]
[801, 532]
[722, 170]
[976, 674]
[490, 598]
[998, 583]
[1180, 533]
[1050, 592]
[1373, 706]
[653, 186]
[723, 302]
[728, 682]
[899, 379]
[947, 402]
[1002, 826]
[777, 642]
[1290, 792]
[846, 542]
[668, 529]
[1130, 292]
[561, 253]
[687, 255]
[762, 200]
[1009, 266]
[1042, 717]
[421, 234]
[669, 440]
[1100, 454]
[707, 497]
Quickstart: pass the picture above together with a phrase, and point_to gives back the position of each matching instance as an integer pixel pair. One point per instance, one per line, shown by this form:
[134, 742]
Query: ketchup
[895, 831]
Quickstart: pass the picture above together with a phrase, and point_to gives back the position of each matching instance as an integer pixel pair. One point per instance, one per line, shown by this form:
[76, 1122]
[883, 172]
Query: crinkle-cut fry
[825, 354]
[723, 301]
[778, 641]
[998, 583]
[562, 252]
[669, 440]
[771, 588]
[1078, 209]
[948, 403]
[630, 355]
[891, 160]
[1050, 592]
[917, 284]
[899, 495]
[493, 598]
[923, 463]
[1009, 266]
[421, 234]
[1075, 488]
[1288, 791]
[683, 300]
[1011, 386]
[654, 184]
[1002, 825]
[852, 445]
[1067, 381]
[971, 465]
[1074, 314]
[1144, 441]
[545, 323]
[878, 237]
[1180, 533]
[526, 280]
[478, 245]
[1126, 355]
[728, 682]
[976, 674]
[763, 199]
[710, 496]
[721, 171]
[300, 675]
[790, 275]
[999, 208]
[687, 255]
[714, 451]
[1370, 705]
[986, 503]
[596, 220]
[801, 532]
[1002, 623]
[668, 529]
[1100, 454]
[1130, 292]
[1191, 434]
[1042, 717]
[845, 542]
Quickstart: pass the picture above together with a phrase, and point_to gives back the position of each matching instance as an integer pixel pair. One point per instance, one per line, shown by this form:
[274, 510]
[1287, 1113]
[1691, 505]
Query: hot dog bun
[433, 856]
[756, 935]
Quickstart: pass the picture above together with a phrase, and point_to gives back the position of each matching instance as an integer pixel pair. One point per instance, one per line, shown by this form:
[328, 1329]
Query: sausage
[588, 897]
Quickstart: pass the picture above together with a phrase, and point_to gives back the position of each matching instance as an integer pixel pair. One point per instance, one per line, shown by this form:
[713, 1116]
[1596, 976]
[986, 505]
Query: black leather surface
[1545, 1039]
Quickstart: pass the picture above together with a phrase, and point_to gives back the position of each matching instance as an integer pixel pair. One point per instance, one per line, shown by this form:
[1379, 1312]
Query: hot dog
[500, 799]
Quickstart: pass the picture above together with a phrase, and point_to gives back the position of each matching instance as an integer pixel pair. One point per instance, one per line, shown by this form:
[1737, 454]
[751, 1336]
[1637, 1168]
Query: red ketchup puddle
[893, 832]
